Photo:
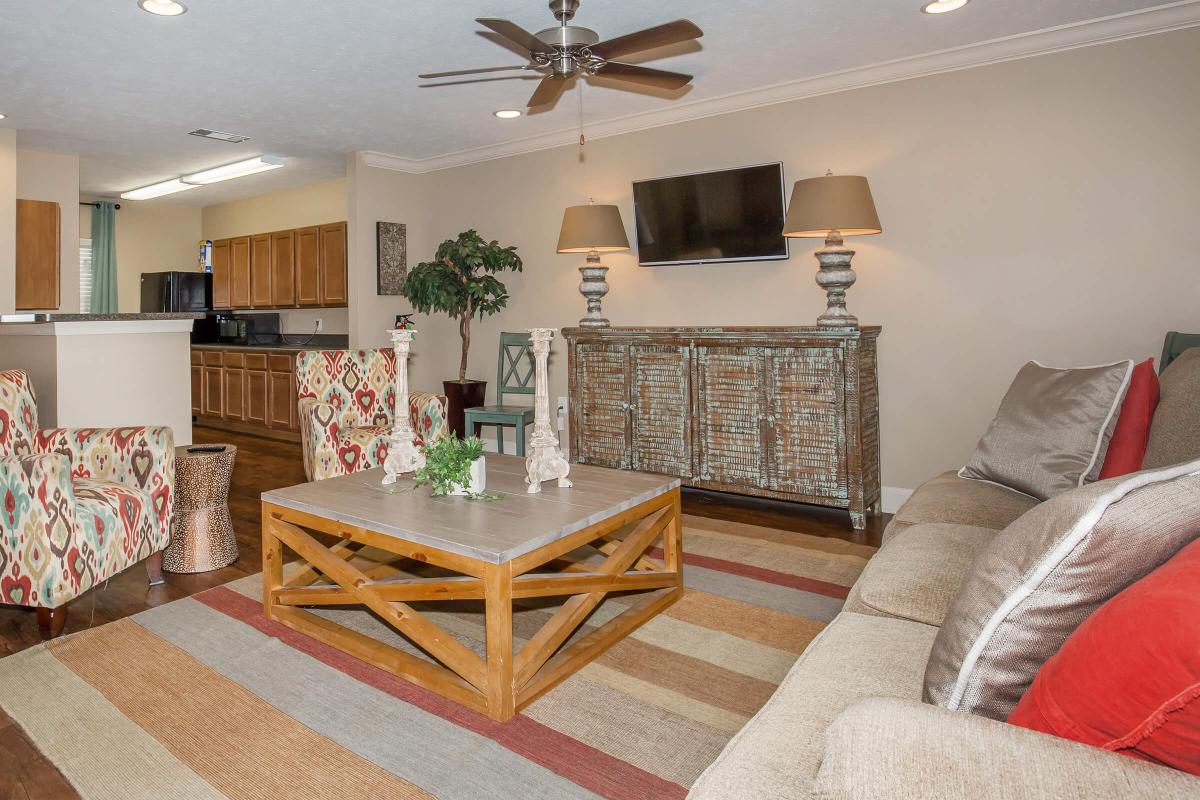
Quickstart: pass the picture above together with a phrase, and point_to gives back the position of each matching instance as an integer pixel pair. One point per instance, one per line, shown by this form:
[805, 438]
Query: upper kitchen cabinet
[239, 270]
[297, 268]
[332, 283]
[308, 266]
[38, 255]
[260, 271]
[221, 276]
[283, 269]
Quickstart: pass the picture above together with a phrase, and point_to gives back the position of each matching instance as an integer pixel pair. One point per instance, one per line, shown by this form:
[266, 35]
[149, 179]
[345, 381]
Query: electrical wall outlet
[320, 324]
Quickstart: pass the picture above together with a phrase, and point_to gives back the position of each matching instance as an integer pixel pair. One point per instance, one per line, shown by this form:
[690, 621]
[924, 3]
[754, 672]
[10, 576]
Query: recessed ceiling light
[507, 113]
[163, 8]
[235, 170]
[158, 190]
[942, 6]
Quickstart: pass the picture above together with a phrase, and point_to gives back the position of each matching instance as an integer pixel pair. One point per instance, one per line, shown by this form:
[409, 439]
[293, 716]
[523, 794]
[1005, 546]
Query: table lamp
[833, 206]
[592, 229]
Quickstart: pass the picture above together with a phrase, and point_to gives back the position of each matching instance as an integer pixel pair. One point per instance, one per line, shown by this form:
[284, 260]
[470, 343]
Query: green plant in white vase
[455, 466]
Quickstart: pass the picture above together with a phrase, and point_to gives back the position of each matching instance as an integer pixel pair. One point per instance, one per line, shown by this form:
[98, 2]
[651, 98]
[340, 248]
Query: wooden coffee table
[521, 546]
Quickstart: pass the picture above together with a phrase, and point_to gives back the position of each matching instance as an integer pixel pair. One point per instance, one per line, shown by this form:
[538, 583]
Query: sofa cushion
[118, 525]
[1052, 429]
[958, 501]
[1046, 573]
[777, 753]
[918, 572]
[1175, 434]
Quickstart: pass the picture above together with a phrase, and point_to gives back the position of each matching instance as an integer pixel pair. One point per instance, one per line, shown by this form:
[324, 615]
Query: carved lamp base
[403, 456]
[593, 287]
[835, 276]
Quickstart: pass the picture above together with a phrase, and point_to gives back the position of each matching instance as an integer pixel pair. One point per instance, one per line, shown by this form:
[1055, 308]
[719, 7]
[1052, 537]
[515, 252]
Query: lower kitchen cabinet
[245, 390]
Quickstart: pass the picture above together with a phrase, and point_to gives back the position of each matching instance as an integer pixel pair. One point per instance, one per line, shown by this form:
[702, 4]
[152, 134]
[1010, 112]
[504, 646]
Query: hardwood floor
[264, 464]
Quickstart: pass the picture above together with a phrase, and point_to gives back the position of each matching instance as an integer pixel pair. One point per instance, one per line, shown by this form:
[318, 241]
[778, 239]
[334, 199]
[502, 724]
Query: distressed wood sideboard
[789, 413]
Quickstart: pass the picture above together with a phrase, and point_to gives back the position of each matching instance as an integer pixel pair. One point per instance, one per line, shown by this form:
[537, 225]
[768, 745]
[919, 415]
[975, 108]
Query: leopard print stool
[202, 537]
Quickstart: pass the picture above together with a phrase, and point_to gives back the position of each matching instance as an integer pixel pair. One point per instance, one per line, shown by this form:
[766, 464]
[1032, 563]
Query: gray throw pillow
[1175, 433]
[1052, 429]
[1044, 574]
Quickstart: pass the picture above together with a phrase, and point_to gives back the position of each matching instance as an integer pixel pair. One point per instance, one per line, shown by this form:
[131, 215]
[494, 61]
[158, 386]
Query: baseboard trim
[892, 497]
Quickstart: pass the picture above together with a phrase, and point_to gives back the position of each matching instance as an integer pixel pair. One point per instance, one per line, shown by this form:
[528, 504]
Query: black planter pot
[462, 396]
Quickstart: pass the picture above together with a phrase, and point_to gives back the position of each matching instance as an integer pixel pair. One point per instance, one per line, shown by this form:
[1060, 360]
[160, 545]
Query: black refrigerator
[176, 291]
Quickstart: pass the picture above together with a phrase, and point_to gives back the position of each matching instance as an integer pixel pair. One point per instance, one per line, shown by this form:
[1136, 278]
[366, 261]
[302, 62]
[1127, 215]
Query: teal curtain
[104, 259]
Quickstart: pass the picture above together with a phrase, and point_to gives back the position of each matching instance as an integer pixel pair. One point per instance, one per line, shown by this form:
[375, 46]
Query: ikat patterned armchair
[345, 401]
[76, 506]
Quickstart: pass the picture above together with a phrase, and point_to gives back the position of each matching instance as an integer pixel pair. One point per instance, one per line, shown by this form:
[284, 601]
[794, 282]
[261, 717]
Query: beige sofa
[848, 721]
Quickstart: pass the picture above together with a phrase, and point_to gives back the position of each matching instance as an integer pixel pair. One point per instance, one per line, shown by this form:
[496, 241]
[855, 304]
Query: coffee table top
[493, 532]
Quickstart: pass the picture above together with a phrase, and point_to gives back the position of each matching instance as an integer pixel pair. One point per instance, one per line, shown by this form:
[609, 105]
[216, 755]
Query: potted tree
[460, 282]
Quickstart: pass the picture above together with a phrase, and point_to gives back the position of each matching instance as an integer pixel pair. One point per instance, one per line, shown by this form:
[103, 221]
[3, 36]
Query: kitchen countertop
[52, 316]
[319, 343]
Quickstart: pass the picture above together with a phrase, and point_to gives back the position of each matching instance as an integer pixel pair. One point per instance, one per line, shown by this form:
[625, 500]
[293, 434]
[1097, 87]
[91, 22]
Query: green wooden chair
[514, 375]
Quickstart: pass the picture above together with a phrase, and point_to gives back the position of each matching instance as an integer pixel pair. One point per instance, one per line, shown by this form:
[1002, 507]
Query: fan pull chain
[582, 141]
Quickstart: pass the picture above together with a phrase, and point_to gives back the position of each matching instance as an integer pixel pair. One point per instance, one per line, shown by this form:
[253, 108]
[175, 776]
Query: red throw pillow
[1127, 447]
[1128, 678]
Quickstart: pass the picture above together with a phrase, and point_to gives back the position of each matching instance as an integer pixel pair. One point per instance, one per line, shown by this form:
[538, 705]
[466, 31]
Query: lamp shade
[839, 203]
[592, 227]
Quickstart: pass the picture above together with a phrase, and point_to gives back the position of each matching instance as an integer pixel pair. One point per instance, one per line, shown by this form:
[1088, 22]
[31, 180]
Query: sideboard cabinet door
[661, 415]
[602, 378]
[730, 415]
[806, 440]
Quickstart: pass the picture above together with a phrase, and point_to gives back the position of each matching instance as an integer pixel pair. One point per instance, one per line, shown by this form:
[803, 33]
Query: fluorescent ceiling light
[162, 8]
[942, 6]
[507, 113]
[235, 170]
[158, 190]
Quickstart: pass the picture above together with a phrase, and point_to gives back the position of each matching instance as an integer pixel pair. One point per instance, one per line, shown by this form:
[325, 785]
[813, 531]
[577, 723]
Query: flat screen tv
[709, 217]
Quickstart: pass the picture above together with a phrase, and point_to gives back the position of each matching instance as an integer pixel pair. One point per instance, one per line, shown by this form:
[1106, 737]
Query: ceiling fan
[563, 52]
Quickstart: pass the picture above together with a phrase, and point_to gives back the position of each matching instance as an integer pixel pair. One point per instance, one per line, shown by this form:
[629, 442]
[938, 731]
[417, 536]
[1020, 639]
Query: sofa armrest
[885, 747]
[142, 457]
[319, 427]
[428, 414]
[37, 521]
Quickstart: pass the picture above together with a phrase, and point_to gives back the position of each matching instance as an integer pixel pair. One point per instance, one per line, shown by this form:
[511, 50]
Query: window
[85, 275]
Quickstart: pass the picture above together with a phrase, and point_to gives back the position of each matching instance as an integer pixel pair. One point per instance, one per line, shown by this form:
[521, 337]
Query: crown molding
[1143, 22]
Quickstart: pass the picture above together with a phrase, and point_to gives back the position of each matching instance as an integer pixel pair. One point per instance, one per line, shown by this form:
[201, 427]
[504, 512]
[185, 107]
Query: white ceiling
[312, 80]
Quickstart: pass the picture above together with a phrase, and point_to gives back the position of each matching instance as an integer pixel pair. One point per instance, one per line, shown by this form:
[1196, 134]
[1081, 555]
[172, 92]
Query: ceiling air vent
[233, 138]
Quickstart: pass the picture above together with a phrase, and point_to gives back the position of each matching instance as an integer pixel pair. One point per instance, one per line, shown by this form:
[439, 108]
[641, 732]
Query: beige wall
[55, 177]
[1040, 208]
[151, 237]
[314, 204]
[8, 220]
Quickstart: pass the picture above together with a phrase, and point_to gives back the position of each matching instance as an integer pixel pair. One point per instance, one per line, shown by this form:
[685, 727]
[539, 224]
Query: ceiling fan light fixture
[507, 113]
[943, 6]
[163, 8]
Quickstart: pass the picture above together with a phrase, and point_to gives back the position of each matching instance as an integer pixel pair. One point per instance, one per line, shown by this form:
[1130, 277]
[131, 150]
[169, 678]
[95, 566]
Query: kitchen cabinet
[333, 279]
[260, 271]
[221, 276]
[239, 271]
[246, 390]
[297, 268]
[39, 257]
[283, 269]
[308, 266]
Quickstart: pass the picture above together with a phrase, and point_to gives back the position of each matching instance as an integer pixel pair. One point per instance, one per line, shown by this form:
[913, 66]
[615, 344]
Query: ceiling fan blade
[548, 91]
[457, 72]
[658, 78]
[478, 80]
[515, 33]
[681, 30]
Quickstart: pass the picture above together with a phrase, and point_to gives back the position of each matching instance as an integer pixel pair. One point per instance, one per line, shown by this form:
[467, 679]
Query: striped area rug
[205, 698]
